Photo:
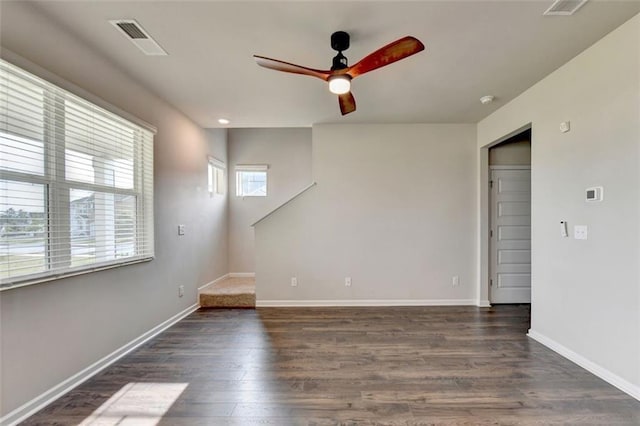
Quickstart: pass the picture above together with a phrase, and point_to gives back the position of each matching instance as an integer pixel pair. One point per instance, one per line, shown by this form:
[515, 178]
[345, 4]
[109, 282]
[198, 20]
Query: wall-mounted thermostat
[594, 194]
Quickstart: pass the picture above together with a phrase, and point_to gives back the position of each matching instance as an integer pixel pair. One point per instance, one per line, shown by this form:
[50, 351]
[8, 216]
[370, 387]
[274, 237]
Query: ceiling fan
[340, 75]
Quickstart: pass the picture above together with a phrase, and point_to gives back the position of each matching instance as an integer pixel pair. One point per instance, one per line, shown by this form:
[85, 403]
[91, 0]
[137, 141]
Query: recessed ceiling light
[486, 99]
[223, 121]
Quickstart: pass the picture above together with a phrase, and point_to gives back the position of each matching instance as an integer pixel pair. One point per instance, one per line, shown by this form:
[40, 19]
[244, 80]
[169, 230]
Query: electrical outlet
[294, 282]
[180, 229]
[347, 282]
[180, 291]
[455, 281]
[580, 232]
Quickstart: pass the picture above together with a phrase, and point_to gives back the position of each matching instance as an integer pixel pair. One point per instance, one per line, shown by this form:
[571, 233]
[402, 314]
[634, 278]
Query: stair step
[230, 293]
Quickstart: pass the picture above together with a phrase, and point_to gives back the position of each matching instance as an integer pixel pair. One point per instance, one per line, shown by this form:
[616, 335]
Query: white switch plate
[455, 281]
[580, 232]
[294, 282]
[180, 229]
[347, 282]
[565, 126]
[181, 291]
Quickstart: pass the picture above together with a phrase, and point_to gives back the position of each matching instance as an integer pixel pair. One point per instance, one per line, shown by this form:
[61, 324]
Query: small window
[215, 177]
[251, 181]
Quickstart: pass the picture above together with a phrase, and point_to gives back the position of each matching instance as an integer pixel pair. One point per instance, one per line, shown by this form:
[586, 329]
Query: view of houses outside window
[23, 228]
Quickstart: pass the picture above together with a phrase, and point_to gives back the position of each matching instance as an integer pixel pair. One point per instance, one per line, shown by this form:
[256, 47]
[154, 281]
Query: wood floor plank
[345, 366]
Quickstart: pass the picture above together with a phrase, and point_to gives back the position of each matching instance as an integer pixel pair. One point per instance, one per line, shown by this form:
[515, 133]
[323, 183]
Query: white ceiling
[473, 48]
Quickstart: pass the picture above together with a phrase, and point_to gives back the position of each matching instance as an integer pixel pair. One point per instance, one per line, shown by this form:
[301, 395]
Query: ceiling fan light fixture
[340, 84]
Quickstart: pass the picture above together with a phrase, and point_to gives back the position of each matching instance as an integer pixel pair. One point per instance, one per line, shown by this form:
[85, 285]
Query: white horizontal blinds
[23, 185]
[21, 124]
[94, 173]
[252, 167]
[144, 187]
[99, 152]
[98, 149]
[219, 183]
[217, 163]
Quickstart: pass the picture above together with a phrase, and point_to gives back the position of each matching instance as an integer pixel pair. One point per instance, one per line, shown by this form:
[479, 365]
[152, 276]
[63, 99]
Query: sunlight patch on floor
[140, 404]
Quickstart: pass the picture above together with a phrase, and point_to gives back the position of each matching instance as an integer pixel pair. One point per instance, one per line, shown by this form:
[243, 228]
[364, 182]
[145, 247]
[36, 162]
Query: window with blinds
[251, 180]
[76, 183]
[215, 172]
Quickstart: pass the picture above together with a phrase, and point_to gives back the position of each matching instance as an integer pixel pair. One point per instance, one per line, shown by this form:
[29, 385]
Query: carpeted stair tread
[230, 293]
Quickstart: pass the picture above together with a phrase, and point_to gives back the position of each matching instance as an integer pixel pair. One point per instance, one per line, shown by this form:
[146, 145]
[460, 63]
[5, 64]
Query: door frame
[483, 213]
[491, 212]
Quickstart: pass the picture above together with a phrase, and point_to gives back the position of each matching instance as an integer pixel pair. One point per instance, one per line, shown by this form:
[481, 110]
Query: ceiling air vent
[138, 36]
[564, 7]
[131, 29]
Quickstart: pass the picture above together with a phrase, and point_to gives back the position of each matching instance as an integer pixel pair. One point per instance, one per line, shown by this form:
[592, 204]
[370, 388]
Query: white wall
[393, 209]
[586, 294]
[51, 331]
[288, 154]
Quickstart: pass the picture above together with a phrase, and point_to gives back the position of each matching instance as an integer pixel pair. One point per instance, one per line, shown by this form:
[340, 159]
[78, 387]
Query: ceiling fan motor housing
[340, 41]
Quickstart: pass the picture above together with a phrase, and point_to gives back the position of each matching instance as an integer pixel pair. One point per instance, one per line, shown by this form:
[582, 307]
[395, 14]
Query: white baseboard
[365, 302]
[213, 282]
[242, 274]
[44, 399]
[483, 303]
[588, 365]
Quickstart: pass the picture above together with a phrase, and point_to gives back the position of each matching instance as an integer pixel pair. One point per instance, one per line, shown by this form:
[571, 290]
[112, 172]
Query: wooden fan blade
[386, 55]
[277, 65]
[347, 103]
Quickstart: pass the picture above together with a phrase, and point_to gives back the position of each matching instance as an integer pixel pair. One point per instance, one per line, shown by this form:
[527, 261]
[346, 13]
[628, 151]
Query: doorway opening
[510, 220]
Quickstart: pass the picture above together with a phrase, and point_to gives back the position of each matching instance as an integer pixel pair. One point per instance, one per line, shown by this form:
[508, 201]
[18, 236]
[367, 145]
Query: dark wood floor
[347, 366]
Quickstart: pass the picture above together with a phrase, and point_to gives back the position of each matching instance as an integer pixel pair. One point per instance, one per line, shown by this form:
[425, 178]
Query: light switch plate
[580, 232]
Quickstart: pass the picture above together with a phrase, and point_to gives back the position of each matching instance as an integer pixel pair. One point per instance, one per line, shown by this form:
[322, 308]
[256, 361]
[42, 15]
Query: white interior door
[510, 236]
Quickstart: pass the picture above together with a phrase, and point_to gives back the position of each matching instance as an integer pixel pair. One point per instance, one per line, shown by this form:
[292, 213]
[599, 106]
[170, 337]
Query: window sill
[71, 273]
